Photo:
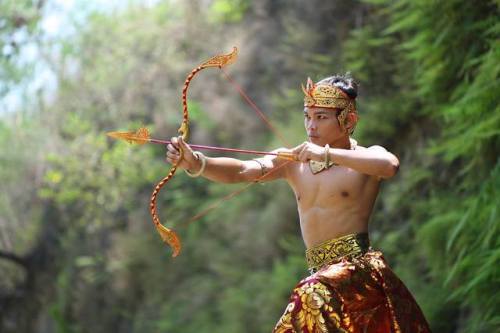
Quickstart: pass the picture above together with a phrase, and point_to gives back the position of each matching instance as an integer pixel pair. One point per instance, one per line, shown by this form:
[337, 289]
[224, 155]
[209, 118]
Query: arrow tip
[141, 136]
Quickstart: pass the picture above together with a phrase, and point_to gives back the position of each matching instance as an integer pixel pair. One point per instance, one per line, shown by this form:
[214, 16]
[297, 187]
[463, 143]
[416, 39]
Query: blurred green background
[78, 252]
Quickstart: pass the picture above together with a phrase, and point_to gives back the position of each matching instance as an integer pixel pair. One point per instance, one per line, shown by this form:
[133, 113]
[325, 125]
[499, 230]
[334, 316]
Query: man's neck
[342, 143]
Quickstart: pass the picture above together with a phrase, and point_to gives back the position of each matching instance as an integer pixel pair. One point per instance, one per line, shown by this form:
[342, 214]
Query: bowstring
[258, 179]
[254, 107]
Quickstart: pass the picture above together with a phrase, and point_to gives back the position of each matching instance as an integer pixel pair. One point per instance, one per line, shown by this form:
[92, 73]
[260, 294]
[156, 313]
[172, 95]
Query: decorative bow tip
[221, 60]
[170, 237]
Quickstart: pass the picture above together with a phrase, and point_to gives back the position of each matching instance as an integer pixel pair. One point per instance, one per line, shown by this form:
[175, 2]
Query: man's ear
[350, 120]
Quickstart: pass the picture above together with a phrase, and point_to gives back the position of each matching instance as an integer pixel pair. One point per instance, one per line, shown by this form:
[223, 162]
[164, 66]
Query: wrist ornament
[199, 157]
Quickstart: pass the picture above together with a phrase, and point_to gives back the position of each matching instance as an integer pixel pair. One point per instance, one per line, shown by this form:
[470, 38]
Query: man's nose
[311, 125]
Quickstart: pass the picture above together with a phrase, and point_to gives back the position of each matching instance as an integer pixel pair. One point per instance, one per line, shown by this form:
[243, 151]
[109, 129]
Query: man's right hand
[188, 161]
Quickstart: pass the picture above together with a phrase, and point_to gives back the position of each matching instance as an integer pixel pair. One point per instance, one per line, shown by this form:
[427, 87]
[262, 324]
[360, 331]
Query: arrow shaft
[243, 151]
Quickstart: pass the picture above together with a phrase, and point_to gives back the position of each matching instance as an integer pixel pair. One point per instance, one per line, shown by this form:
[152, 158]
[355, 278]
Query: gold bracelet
[327, 155]
[199, 156]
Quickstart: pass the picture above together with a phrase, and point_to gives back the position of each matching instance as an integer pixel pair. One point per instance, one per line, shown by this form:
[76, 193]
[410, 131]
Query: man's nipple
[345, 194]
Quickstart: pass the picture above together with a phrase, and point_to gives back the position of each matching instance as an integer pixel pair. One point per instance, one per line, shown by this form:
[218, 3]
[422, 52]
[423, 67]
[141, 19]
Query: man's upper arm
[391, 158]
[377, 148]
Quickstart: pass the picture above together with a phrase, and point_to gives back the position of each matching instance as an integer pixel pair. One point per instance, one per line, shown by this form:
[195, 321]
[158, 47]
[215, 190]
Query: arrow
[141, 136]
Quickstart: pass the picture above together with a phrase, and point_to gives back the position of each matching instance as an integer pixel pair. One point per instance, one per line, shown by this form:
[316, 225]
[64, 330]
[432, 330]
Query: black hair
[344, 82]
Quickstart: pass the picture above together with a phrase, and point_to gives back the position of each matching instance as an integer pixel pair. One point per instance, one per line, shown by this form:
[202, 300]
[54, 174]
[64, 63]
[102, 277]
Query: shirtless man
[336, 183]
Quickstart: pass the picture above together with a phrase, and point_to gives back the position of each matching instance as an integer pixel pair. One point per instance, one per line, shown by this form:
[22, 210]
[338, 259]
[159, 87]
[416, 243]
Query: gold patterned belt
[350, 246]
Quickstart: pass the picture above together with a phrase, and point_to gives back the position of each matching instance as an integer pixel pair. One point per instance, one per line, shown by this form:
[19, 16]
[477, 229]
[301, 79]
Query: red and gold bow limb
[289, 157]
[168, 235]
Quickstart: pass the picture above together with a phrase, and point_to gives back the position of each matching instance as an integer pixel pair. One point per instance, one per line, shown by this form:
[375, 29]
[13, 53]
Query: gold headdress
[325, 95]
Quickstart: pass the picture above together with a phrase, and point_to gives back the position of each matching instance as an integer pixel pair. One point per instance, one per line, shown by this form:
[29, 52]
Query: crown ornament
[324, 95]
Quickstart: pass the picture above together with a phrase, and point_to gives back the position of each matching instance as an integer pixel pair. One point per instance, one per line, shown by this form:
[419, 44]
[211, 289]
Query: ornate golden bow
[168, 235]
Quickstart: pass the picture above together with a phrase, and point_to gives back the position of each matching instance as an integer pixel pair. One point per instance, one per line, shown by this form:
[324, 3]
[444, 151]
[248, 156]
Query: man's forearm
[367, 161]
[222, 169]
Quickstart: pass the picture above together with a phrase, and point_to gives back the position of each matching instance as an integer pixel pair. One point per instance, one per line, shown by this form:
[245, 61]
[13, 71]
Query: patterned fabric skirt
[352, 291]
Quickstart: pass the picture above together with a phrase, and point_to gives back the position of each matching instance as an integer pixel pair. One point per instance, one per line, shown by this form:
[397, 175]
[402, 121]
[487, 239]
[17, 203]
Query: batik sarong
[351, 289]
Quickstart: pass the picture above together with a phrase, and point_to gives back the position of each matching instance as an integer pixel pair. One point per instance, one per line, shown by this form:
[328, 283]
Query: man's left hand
[308, 151]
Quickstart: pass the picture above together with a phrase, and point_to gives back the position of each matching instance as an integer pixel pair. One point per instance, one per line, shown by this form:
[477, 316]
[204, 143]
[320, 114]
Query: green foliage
[228, 11]
[18, 28]
[448, 106]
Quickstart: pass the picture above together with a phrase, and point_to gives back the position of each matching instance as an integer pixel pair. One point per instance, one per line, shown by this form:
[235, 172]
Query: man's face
[322, 125]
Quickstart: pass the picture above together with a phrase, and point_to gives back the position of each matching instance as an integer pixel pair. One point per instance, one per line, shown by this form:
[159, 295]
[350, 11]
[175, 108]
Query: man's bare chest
[335, 185]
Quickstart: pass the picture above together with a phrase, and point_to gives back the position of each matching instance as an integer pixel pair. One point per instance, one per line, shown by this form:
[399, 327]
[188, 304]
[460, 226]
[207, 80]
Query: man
[336, 182]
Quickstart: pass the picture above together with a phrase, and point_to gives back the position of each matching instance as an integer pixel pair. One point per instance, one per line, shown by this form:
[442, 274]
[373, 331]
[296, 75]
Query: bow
[168, 235]
[141, 136]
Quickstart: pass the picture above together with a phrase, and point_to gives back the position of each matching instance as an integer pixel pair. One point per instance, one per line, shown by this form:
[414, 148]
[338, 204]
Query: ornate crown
[325, 95]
